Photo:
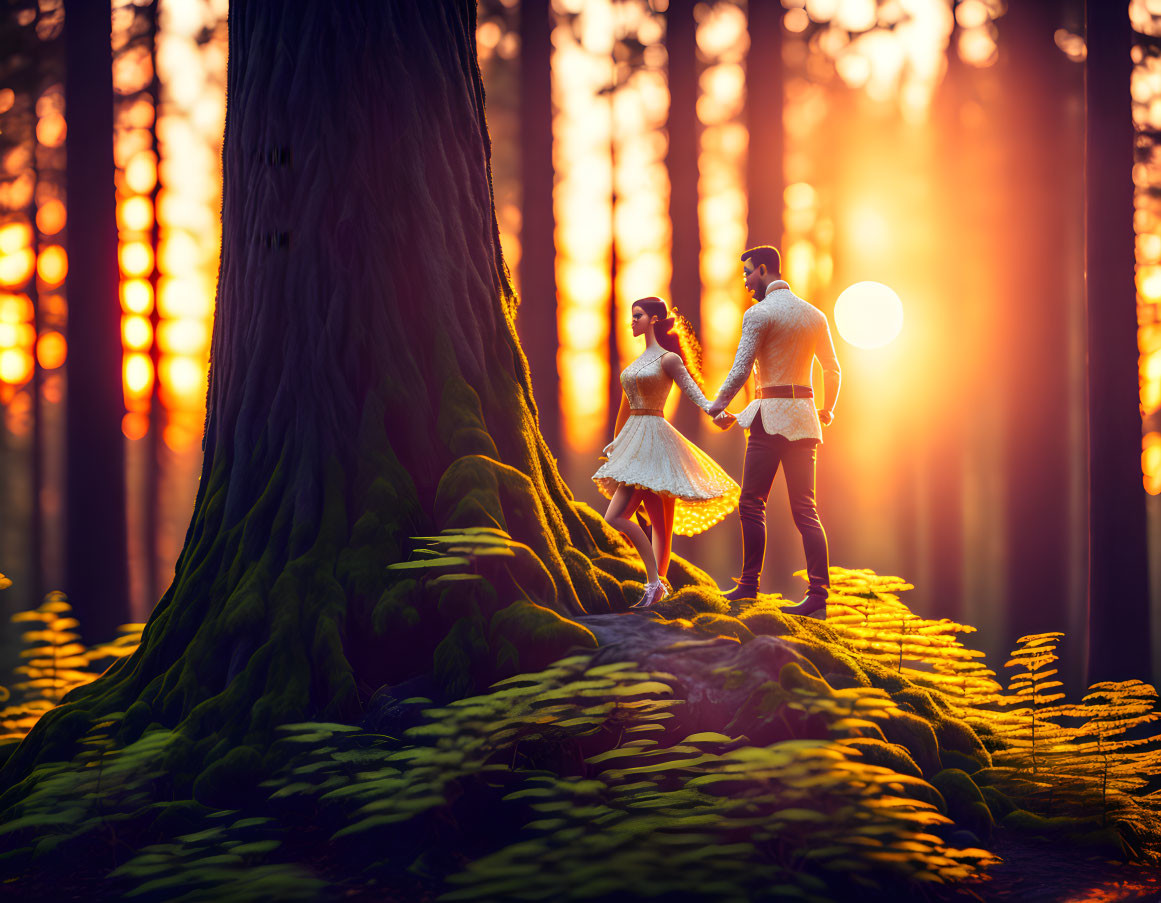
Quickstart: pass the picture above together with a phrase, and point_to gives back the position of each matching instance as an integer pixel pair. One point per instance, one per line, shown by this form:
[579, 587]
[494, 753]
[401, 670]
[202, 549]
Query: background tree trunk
[684, 134]
[537, 318]
[1118, 599]
[764, 87]
[96, 569]
[1033, 332]
[366, 387]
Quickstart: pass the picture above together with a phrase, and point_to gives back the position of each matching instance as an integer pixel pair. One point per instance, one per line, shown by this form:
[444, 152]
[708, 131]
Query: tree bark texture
[366, 387]
[96, 569]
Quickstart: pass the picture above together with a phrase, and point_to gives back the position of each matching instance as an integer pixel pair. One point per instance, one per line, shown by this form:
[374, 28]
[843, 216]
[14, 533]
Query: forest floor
[1032, 872]
[1039, 871]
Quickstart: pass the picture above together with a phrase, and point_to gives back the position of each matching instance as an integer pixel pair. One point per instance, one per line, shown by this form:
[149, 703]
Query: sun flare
[868, 315]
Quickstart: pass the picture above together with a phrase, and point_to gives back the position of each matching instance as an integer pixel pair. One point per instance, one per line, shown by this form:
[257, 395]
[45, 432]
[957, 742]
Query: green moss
[137, 718]
[952, 759]
[462, 661]
[917, 735]
[230, 781]
[883, 677]
[178, 817]
[794, 677]
[722, 625]
[1083, 832]
[965, 803]
[702, 599]
[245, 610]
[589, 581]
[957, 736]
[397, 610]
[468, 495]
[460, 421]
[998, 804]
[830, 659]
[614, 594]
[462, 596]
[621, 569]
[885, 755]
[766, 621]
[599, 539]
[69, 727]
[536, 634]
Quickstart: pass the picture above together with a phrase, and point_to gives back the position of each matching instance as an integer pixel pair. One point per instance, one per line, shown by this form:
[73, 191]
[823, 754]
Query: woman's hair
[674, 333]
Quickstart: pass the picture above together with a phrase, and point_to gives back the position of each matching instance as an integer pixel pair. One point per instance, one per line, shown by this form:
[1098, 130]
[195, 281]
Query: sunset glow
[582, 66]
[722, 43]
[868, 315]
[1146, 93]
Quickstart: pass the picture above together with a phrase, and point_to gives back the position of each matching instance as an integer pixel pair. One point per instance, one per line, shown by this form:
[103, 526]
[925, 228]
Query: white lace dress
[649, 453]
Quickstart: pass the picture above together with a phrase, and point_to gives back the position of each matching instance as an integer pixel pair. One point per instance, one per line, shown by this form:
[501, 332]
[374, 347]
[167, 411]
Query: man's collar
[775, 285]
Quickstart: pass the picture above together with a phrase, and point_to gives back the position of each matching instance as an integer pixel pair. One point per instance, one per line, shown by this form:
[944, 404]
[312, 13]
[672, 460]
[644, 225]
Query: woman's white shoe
[654, 592]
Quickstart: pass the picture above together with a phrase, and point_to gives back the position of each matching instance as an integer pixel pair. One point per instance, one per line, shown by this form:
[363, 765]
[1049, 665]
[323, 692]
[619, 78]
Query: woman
[649, 462]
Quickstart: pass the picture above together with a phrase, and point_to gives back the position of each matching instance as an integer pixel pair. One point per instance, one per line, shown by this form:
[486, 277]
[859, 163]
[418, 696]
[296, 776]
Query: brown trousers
[763, 455]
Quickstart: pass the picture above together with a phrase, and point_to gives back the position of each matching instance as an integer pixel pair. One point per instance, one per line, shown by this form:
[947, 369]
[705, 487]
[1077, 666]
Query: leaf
[256, 848]
[442, 562]
[708, 737]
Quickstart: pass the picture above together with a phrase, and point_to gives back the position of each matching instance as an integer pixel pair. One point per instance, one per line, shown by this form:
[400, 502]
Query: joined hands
[724, 420]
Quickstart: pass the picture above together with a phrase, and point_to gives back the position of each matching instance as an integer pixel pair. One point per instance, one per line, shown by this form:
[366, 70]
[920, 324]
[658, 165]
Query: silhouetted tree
[681, 160]
[96, 570]
[537, 317]
[1118, 598]
[1032, 327]
[764, 123]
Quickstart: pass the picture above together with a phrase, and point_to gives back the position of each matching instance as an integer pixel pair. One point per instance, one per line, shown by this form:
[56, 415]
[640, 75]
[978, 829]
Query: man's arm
[831, 375]
[743, 363]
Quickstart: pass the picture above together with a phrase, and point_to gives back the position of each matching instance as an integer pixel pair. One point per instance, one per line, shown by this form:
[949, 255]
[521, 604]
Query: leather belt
[786, 392]
[646, 412]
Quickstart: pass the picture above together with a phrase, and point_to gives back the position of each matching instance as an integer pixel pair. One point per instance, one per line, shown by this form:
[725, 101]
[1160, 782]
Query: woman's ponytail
[674, 333]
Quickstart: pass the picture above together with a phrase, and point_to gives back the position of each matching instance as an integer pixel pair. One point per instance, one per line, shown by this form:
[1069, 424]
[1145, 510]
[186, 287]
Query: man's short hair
[765, 254]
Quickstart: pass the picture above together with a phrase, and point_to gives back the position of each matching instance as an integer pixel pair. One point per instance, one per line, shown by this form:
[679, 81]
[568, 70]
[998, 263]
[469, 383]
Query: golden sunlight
[868, 315]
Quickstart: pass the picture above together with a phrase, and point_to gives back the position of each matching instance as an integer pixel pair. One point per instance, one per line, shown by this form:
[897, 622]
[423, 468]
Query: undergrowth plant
[571, 766]
[1088, 761]
[55, 661]
[869, 618]
[574, 781]
[1038, 717]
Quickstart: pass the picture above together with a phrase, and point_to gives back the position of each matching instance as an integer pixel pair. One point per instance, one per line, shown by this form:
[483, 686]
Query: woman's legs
[660, 508]
[619, 516]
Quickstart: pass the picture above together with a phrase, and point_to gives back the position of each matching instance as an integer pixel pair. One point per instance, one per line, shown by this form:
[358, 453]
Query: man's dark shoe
[744, 590]
[813, 606]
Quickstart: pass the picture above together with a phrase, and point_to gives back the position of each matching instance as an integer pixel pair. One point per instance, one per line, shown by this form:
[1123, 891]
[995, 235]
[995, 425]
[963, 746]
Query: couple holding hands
[683, 490]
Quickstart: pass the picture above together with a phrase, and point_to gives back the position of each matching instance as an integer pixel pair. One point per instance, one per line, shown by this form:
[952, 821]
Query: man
[781, 337]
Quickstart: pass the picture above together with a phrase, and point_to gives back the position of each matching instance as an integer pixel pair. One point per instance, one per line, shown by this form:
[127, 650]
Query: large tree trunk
[366, 387]
[96, 570]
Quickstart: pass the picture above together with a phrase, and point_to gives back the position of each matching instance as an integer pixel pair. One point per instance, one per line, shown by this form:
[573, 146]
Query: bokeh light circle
[868, 315]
